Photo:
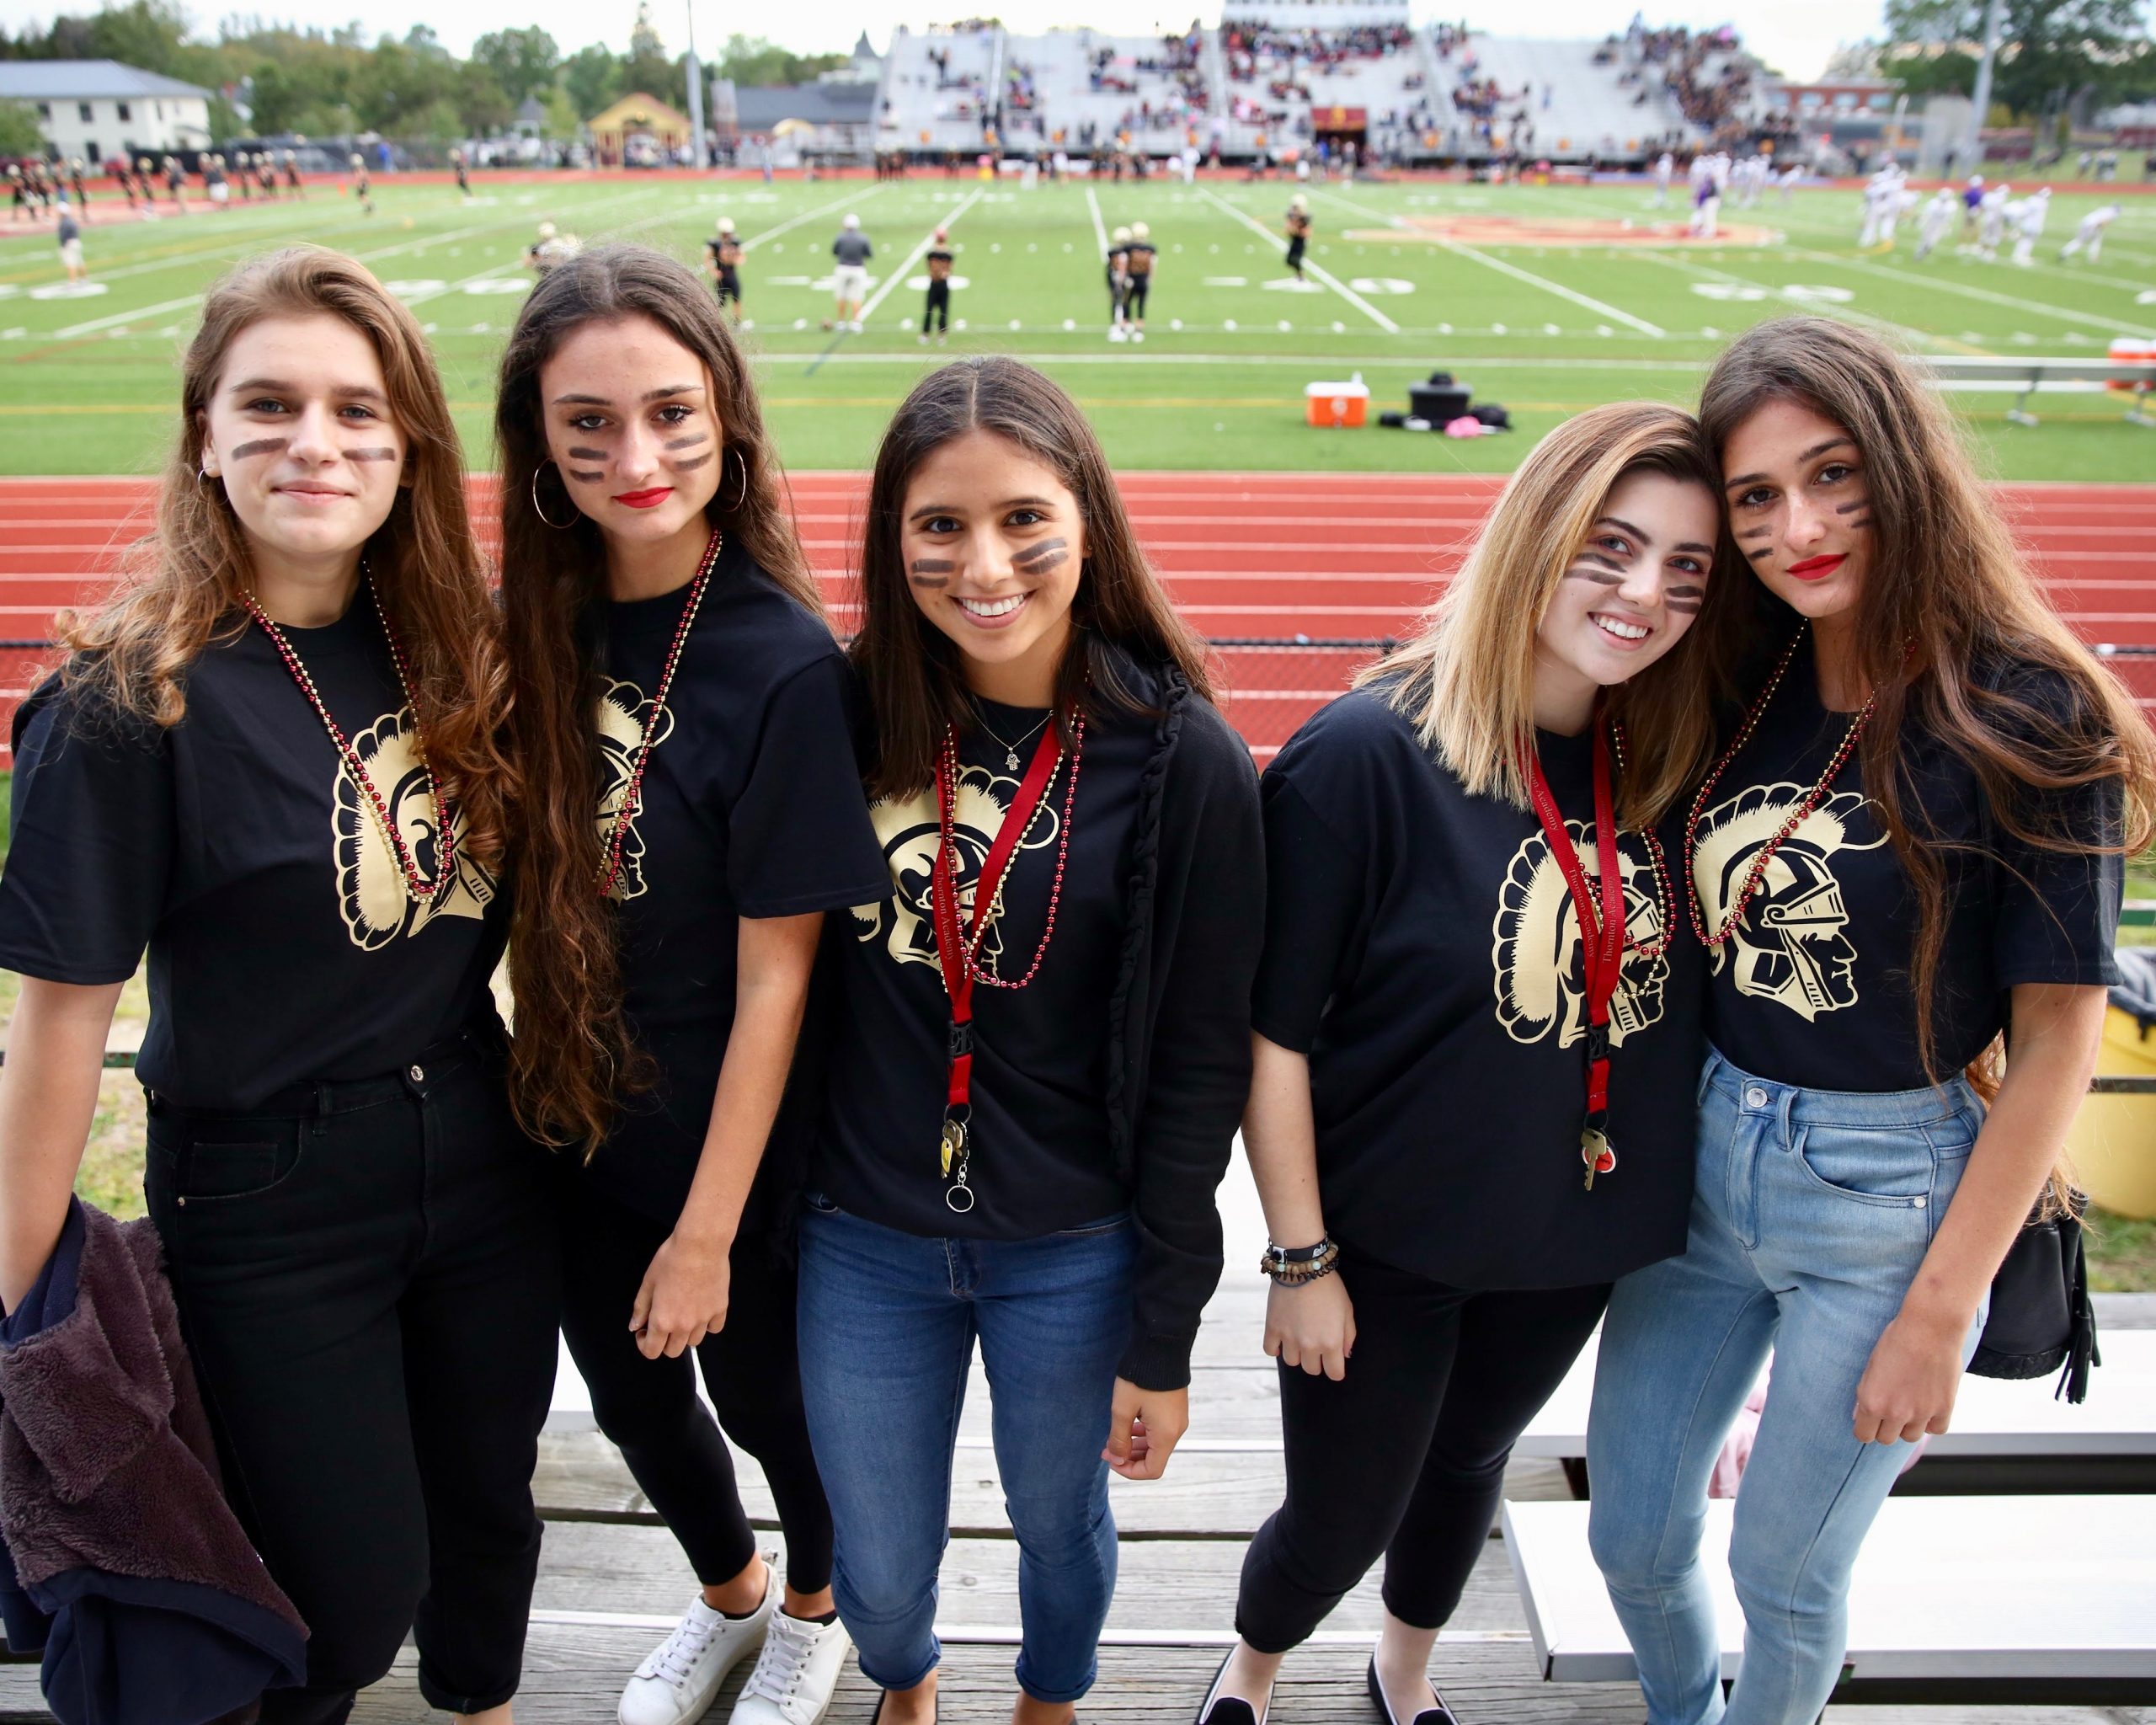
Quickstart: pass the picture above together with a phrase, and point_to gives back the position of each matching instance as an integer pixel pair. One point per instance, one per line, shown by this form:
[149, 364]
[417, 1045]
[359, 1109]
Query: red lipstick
[645, 499]
[1812, 568]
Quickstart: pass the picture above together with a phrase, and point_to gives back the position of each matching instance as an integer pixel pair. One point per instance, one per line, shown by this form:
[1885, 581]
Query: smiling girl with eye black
[273, 761]
[1910, 842]
[692, 808]
[1044, 1040]
[1476, 1036]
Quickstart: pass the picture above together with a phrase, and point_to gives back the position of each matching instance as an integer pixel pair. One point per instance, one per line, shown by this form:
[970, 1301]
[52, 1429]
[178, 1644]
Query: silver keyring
[951, 1194]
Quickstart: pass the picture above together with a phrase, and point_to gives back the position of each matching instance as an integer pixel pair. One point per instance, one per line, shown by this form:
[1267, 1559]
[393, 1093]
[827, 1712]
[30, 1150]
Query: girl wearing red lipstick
[1904, 866]
[692, 810]
[273, 763]
[1044, 1041]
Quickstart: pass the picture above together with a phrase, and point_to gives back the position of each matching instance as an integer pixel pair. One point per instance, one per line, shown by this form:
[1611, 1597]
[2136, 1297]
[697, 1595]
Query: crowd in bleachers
[1247, 41]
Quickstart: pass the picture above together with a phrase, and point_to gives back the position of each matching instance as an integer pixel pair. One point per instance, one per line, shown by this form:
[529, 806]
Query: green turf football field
[87, 383]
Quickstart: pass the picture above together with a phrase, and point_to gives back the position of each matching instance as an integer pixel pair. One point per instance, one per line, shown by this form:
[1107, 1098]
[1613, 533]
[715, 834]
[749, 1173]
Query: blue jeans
[888, 1325]
[1812, 1212]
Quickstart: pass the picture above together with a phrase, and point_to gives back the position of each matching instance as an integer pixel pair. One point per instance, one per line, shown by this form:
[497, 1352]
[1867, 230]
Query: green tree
[592, 76]
[2050, 50]
[524, 61]
[19, 133]
[482, 104]
[755, 61]
[145, 33]
[649, 67]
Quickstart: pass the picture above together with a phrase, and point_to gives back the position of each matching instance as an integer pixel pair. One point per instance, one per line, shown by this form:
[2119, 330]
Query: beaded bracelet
[1291, 1266]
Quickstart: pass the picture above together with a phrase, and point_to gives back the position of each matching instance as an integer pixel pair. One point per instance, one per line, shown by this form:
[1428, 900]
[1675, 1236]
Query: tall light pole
[697, 90]
[1981, 102]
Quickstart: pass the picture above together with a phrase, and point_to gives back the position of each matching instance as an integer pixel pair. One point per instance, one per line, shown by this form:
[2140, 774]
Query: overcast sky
[1795, 39]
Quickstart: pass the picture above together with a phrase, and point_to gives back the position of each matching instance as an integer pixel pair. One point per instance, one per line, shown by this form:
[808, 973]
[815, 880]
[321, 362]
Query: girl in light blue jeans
[1908, 849]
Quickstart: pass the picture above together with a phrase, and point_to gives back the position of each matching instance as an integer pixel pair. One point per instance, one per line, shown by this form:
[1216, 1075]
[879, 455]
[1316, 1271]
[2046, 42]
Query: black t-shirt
[1041, 1155]
[751, 807]
[1813, 987]
[1422, 949]
[239, 849]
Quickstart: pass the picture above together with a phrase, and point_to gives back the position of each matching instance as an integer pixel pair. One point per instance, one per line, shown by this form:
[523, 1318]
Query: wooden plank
[1964, 1588]
[581, 1476]
[1161, 1585]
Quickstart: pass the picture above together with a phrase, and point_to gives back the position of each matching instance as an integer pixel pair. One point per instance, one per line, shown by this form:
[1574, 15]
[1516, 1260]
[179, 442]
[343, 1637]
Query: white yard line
[917, 254]
[1827, 308]
[192, 299]
[2116, 326]
[863, 197]
[1322, 274]
[1543, 282]
[1100, 228]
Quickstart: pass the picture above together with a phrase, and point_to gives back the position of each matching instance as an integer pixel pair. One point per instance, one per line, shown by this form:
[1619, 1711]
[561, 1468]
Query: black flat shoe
[1439, 1715]
[1218, 1709]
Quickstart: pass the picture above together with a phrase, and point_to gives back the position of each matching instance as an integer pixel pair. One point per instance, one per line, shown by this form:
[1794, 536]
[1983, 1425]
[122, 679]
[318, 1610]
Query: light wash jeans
[888, 1325]
[1811, 1211]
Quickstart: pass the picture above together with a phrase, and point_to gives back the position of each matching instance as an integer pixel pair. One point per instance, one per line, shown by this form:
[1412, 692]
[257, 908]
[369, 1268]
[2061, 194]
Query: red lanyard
[954, 950]
[1602, 937]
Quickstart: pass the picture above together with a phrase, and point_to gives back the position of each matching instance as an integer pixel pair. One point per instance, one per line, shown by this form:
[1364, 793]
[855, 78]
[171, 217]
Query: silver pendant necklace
[1010, 748]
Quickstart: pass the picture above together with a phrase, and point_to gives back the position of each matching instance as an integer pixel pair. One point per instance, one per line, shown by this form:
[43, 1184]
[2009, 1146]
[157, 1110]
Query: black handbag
[2042, 1318]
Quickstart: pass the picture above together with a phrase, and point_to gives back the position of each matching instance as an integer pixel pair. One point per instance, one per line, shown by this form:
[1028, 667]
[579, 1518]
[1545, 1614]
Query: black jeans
[938, 307]
[368, 1281]
[648, 1407]
[1406, 1455]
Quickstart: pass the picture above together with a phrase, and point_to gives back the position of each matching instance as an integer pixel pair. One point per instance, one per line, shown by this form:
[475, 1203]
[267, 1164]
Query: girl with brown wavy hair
[692, 807]
[1044, 1040]
[272, 762]
[1908, 849]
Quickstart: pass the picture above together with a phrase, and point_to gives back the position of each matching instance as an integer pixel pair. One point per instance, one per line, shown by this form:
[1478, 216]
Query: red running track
[1267, 557]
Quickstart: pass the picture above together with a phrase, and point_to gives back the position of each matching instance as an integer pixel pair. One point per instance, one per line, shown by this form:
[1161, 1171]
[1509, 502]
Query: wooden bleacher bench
[2007, 1437]
[2046, 373]
[1954, 1600]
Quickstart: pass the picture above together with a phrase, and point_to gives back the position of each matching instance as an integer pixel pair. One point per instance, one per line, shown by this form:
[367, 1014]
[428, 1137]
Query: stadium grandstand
[1269, 83]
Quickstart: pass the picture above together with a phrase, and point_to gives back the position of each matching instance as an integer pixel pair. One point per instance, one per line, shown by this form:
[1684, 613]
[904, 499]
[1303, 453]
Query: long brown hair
[1467, 679]
[183, 582]
[1948, 615]
[572, 1055]
[911, 668]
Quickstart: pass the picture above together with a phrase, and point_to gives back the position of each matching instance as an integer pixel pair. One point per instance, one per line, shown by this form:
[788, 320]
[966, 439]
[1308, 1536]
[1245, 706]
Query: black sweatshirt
[1189, 921]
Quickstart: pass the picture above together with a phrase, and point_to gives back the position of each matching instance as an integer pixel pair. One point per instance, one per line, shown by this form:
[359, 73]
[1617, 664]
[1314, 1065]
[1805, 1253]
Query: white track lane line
[1322, 274]
[1499, 264]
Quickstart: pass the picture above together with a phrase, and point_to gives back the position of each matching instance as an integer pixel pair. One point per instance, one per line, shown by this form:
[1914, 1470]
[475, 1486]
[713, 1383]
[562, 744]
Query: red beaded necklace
[1663, 892]
[640, 756]
[1811, 801]
[416, 885]
[947, 782]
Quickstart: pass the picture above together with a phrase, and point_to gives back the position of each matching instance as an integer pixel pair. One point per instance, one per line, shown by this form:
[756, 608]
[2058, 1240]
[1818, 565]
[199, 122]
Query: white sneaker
[676, 1683]
[795, 1674]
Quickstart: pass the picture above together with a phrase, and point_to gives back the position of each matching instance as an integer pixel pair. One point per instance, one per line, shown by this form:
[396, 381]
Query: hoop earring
[558, 526]
[741, 502]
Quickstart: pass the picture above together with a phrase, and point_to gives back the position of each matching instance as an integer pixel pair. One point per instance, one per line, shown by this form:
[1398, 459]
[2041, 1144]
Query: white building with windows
[99, 108]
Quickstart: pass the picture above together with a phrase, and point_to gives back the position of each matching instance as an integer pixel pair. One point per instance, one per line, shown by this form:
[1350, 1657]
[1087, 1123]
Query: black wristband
[1299, 1254]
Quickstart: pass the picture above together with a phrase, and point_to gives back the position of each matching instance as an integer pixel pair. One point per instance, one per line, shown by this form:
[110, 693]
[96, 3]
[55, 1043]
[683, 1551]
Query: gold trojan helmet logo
[624, 714]
[1537, 955]
[370, 885]
[910, 833]
[1792, 945]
